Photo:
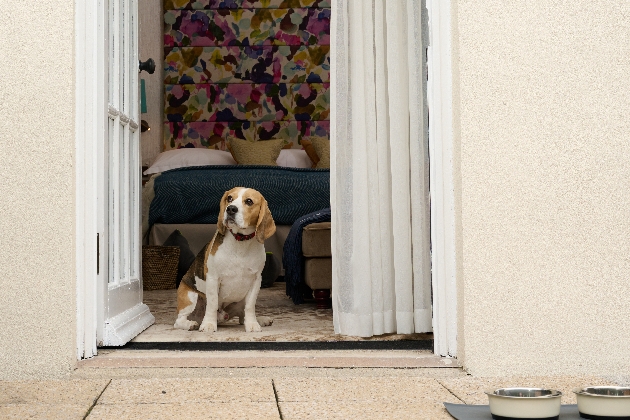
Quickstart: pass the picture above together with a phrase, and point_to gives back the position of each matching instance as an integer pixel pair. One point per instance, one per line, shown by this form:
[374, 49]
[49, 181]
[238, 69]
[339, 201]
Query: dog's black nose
[231, 210]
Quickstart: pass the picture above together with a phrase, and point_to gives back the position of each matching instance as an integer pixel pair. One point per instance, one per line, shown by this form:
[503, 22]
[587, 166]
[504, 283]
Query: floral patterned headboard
[251, 69]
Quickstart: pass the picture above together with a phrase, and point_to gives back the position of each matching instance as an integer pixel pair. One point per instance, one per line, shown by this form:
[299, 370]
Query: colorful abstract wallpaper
[250, 69]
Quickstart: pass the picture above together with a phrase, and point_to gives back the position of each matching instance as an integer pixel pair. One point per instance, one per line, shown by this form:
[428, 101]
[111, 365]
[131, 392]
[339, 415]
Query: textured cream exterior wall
[543, 108]
[151, 45]
[37, 190]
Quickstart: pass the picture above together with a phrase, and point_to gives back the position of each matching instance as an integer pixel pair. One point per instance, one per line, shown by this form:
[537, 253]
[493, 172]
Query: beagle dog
[224, 280]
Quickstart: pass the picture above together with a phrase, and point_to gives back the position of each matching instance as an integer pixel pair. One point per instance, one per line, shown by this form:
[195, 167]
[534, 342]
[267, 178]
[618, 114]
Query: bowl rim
[554, 393]
[582, 391]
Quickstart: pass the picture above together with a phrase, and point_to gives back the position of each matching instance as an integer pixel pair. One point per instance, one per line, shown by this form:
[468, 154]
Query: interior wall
[542, 104]
[151, 41]
[37, 263]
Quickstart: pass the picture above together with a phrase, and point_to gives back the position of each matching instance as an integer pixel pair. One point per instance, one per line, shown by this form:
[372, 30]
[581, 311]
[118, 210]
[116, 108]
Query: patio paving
[285, 393]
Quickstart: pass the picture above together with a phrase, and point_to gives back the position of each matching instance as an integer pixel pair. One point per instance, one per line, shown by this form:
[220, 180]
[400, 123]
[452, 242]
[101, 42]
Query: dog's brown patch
[200, 310]
[223, 204]
[211, 249]
[196, 269]
[250, 213]
[218, 240]
[182, 296]
[258, 215]
[265, 226]
[184, 301]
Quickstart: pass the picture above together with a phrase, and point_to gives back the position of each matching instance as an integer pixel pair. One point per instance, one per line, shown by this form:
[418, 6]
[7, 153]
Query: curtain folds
[379, 169]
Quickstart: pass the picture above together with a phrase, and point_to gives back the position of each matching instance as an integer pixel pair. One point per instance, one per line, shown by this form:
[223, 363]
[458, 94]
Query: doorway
[155, 304]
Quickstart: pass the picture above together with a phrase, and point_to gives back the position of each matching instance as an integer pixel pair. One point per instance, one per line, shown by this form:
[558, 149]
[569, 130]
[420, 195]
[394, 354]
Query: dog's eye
[229, 198]
[249, 202]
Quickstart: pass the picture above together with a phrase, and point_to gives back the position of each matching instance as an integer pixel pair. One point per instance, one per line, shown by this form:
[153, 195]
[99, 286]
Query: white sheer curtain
[379, 169]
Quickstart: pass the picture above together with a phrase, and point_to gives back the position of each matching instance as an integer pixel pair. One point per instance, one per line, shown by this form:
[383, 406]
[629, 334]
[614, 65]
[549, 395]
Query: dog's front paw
[252, 326]
[208, 326]
[186, 325]
[264, 321]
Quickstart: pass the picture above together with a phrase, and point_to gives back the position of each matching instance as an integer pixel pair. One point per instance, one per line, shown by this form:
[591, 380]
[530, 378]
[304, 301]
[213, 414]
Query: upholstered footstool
[318, 262]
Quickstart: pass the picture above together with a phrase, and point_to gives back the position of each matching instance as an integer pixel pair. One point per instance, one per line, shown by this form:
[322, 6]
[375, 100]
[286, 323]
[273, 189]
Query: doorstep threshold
[278, 345]
[124, 358]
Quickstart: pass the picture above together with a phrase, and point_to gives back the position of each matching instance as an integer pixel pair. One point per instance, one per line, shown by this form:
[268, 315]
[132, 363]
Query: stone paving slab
[189, 390]
[345, 390]
[52, 392]
[362, 398]
[43, 411]
[187, 410]
[49, 399]
[381, 410]
[471, 389]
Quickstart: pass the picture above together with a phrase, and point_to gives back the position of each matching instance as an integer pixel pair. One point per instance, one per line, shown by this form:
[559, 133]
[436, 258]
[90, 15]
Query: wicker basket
[159, 267]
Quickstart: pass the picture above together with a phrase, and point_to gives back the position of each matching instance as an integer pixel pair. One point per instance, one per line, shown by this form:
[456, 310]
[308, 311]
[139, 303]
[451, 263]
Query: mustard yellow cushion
[310, 151]
[263, 152]
[322, 147]
[286, 146]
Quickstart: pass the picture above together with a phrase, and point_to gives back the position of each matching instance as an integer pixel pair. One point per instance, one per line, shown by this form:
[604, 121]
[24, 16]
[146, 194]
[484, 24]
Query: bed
[187, 198]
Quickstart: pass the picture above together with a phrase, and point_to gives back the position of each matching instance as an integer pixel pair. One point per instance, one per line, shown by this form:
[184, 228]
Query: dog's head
[245, 209]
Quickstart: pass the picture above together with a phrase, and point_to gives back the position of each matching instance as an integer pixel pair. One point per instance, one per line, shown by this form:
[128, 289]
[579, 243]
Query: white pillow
[294, 158]
[181, 158]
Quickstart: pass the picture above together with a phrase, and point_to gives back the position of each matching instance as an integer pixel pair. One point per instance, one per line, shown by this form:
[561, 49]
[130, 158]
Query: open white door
[110, 311]
[125, 316]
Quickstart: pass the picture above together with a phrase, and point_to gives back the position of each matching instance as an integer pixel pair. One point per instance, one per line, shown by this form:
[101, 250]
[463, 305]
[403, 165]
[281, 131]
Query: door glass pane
[113, 203]
[124, 176]
[134, 151]
[133, 65]
[123, 203]
[134, 180]
[112, 51]
[122, 61]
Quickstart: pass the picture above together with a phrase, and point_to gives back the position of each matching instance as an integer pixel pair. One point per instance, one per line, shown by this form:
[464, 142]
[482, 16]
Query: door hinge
[98, 253]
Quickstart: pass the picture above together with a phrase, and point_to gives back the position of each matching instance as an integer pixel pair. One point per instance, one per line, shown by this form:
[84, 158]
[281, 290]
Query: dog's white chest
[236, 265]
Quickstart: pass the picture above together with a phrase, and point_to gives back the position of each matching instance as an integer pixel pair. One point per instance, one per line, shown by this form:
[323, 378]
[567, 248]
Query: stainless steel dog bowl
[603, 402]
[524, 403]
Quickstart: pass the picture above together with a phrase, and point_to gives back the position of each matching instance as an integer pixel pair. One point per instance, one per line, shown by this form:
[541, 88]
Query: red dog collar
[241, 237]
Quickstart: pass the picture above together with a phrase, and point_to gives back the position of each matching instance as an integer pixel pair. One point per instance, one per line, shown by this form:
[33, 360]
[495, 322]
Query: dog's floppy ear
[265, 227]
[222, 205]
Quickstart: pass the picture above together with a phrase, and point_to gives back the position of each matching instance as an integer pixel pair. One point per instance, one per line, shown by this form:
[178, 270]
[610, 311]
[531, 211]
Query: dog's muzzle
[231, 211]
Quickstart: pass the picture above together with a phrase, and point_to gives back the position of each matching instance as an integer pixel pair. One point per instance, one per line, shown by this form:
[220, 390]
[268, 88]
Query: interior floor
[291, 322]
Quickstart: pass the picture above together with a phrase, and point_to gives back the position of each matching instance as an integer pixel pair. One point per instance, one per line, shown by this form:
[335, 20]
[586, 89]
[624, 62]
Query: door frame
[441, 184]
[90, 121]
[90, 115]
